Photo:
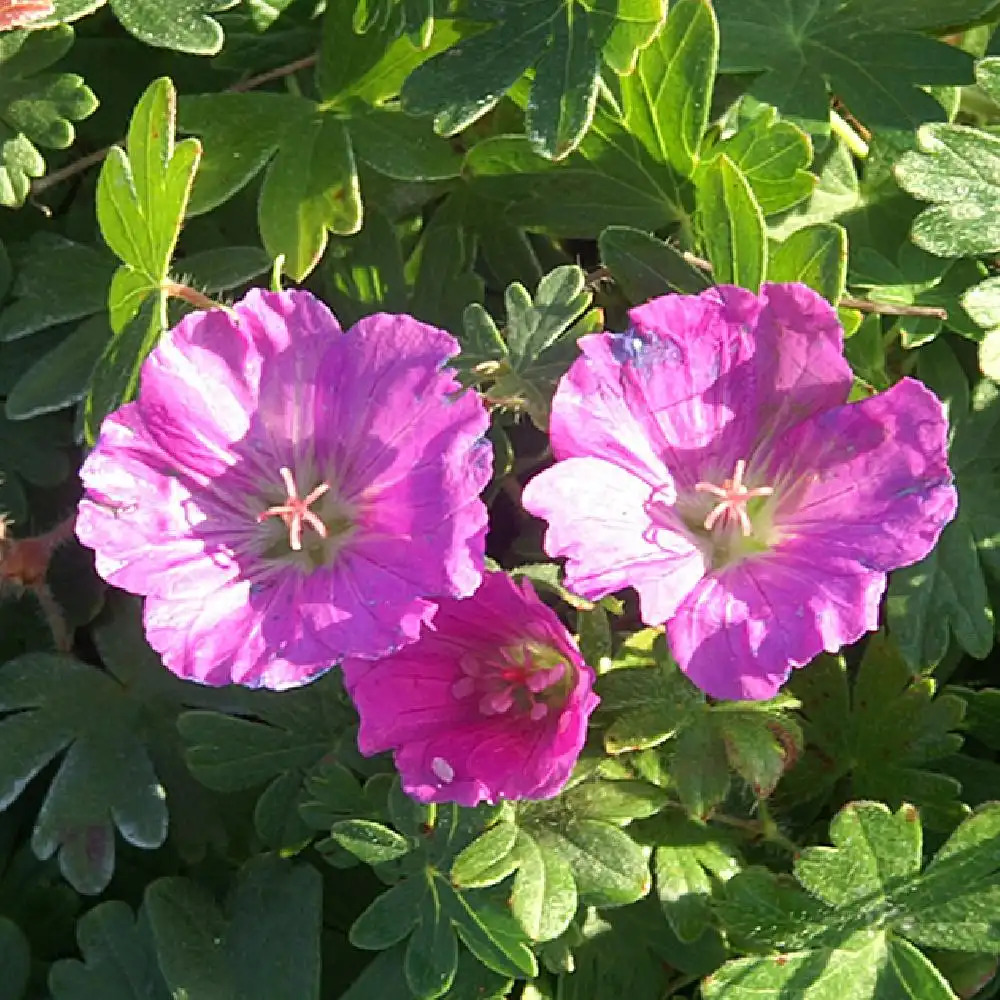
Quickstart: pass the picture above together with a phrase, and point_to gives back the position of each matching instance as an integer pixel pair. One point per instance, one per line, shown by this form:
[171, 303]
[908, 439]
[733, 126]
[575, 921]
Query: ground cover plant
[501, 498]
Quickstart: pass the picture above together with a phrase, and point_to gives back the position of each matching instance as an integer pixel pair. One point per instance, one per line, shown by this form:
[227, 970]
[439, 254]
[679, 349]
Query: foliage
[518, 172]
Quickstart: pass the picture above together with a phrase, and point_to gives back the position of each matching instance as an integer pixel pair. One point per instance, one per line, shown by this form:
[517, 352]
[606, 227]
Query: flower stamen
[733, 498]
[295, 511]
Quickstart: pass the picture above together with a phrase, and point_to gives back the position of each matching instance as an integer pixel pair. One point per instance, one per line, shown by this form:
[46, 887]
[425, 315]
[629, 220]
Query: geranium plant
[499, 499]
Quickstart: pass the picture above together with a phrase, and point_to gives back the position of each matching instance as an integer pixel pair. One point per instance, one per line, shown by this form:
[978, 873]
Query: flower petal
[698, 382]
[133, 495]
[869, 481]
[360, 607]
[234, 637]
[607, 523]
[741, 631]
[446, 749]
[391, 403]
[200, 384]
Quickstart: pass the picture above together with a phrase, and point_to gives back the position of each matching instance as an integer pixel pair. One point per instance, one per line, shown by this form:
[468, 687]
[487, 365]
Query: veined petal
[286, 495]
[615, 533]
[699, 382]
[870, 480]
[229, 637]
[390, 403]
[741, 631]
[132, 495]
[200, 385]
[423, 702]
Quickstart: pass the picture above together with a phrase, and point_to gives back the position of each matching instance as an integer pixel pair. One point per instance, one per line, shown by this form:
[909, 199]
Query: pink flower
[285, 494]
[707, 459]
[490, 703]
[18, 13]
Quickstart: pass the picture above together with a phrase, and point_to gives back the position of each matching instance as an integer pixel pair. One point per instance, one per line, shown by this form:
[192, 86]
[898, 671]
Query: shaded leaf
[119, 962]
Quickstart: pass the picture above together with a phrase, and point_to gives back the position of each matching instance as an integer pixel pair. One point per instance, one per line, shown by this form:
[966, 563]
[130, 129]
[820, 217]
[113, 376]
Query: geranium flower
[490, 703]
[18, 13]
[285, 494]
[707, 459]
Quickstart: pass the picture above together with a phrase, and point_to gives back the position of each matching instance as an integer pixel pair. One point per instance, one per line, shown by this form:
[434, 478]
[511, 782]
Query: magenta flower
[490, 703]
[707, 459]
[285, 494]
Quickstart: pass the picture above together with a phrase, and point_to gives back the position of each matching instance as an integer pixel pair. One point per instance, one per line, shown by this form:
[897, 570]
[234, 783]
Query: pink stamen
[295, 511]
[514, 683]
[733, 498]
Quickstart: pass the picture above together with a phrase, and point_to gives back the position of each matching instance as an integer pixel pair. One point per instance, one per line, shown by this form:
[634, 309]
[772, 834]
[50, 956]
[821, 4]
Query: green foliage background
[518, 172]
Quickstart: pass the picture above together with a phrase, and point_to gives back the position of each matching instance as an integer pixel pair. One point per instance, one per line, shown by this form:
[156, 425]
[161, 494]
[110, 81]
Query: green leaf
[837, 192]
[945, 594]
[62, 376]
[760, 745]
[773, 156]
[391, 916]
[689, 860]
[815, 255]
[366, 271]
[281, 732]
[865, 966]
[33, 452]
[609, 180]
[875, 63]
[15, 960]
[240, 134]
[649, 700]
[142, 193]
[867, 896]
[521, 367]
[427, 904]
[371, 66]
[666, 100]
[645, 267]
[310, 189]
[402, 147]
[266, 945]
[223, 268]
[957, 168]
[560, 40]
[57, 281]
[608, 867]
[58, 707]
[184, 25]
[371, 842]
[880, 740]
[699, 767]
[281, 741]
[119, 962]
[488, 859]
[115, 378]
[431, 959]
[544, 897]
[308, 149]
[445, 282]
[142, 196]
[492, 935]
[731, 224]
[36, 108]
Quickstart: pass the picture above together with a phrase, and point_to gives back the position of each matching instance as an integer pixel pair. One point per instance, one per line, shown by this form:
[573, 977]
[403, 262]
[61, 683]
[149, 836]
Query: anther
[295, 511]
[733, 498]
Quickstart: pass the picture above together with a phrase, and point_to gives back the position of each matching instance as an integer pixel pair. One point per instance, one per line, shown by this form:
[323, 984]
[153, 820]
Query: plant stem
[97, 156]
[848, 136]
[884, 309]
[191, 295]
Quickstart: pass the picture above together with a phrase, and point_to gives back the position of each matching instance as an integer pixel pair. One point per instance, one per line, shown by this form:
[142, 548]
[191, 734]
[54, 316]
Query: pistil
[733, 498]
[295, 510]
